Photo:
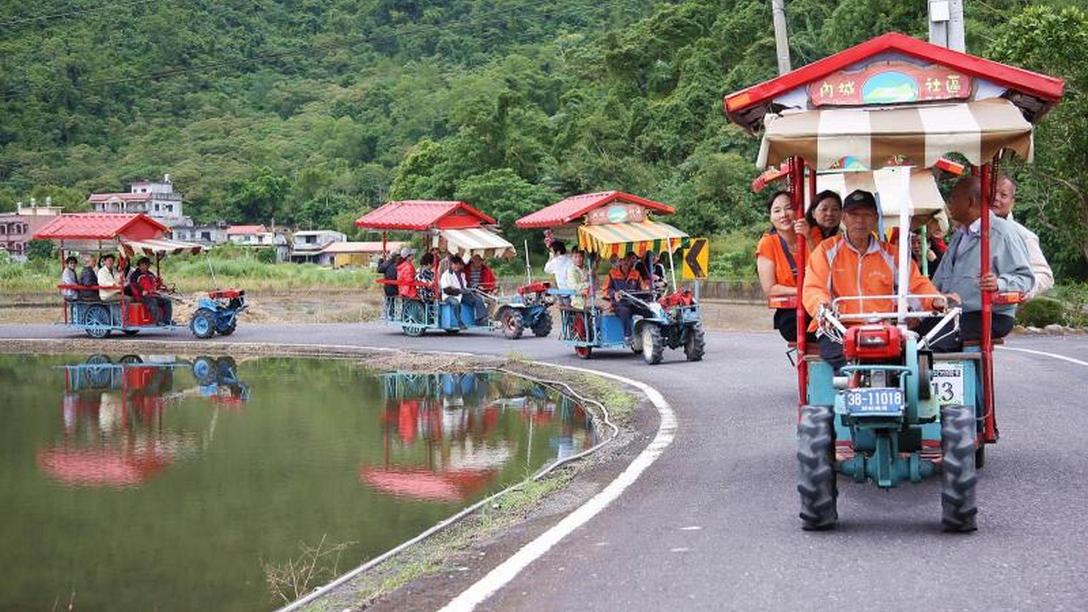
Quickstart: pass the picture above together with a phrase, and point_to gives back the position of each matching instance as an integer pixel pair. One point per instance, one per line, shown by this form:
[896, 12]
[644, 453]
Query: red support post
[63, 302]
[797, 197]
[989, 432]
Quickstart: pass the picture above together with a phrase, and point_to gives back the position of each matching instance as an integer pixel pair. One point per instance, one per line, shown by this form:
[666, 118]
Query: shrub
[1041, 312]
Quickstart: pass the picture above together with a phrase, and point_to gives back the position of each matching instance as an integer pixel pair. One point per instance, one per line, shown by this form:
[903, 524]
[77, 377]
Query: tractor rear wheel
[96, 321]
[413, 318]
[958, 475]
[653, 347]
[203, 324]
[817, 481]
[695, 346]
[512, 323]
[543, 325]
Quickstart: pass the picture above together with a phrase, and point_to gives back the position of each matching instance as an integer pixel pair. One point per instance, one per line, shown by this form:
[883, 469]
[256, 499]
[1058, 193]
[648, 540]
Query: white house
[259, 236]
[306, 246]
[157, 199]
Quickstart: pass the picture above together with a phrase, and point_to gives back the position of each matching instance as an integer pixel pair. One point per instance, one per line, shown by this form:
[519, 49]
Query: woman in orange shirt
[823, 218]
[776, 261]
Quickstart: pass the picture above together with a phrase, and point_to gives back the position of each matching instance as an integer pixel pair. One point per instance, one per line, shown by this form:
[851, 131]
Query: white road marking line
[509, 569]
[679, 550]
[1044, 354]
[691, 528]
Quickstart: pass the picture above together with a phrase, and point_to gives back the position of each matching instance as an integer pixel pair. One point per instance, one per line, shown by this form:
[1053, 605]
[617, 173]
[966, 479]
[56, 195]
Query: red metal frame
[797, 198]
[989, 432]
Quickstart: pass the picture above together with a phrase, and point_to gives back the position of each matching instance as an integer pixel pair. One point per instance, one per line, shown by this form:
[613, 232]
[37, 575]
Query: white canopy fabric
[476, 241]
[870, 139]
[157, 247]
[925, 197]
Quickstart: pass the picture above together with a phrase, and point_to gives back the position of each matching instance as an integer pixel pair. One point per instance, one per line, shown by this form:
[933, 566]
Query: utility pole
[946, 24]
[781, 37]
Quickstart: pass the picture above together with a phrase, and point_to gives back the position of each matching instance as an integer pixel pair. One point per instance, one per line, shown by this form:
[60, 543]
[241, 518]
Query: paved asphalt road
[713, 524]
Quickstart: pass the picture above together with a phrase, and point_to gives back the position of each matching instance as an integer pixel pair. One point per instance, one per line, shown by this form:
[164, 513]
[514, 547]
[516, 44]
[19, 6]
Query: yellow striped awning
[476, 241]
[608, 239]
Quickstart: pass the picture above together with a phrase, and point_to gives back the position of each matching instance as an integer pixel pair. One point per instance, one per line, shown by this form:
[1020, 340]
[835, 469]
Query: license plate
[947, 382]
[880, 401]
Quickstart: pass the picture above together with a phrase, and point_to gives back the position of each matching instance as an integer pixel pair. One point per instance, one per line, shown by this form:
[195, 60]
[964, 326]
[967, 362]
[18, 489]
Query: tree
[259, 197]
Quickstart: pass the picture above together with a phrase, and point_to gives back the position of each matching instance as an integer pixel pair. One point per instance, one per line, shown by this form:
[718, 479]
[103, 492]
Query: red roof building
[246, 230]
[421, 215]
[575, 207]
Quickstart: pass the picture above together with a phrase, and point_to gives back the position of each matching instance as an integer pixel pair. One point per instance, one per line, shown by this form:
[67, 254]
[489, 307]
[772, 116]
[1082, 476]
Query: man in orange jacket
[856, 263]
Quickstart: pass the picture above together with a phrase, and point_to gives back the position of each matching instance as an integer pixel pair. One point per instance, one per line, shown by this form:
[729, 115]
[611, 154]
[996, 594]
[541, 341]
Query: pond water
[171, 483]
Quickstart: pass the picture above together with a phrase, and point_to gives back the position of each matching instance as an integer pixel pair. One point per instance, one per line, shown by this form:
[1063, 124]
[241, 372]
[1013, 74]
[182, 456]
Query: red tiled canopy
[575, 207]
[101, 226]
[420, 215]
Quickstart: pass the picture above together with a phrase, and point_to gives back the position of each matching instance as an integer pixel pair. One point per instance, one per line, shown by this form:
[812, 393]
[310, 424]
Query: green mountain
[311, 111]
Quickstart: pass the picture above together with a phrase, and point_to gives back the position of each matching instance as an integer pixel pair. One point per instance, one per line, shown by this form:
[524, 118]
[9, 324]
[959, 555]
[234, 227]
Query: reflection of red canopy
[101, 467]
[421, 215]
[449, 486]
[101, 226]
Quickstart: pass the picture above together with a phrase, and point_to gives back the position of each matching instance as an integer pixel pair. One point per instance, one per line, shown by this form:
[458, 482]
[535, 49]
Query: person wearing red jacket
[480, 276]
[406, 275]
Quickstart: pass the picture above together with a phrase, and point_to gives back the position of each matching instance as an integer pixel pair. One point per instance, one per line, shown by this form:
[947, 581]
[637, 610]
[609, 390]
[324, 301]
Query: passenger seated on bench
[68, 277]
[577, 279]
[426, 275]
[144, 286]
[406, 274]
[107, 277]
[456, 291]
[856, 263]
[958, 274]
[479, 275]
[622, 277]
[776, 261]
[88, 278]
[652, 272]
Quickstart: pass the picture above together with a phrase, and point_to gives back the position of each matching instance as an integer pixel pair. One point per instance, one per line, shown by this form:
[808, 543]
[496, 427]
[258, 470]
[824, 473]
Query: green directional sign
[695, 262]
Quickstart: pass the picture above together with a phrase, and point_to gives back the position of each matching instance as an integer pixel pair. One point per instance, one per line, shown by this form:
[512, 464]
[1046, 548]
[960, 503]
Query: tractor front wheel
[695, 346]
[512, 323]
[958, 475]
[817, 482]
[653, 348]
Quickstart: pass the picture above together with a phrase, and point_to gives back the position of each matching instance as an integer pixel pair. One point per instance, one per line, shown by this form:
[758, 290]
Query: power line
[72, 13]
[418, 29]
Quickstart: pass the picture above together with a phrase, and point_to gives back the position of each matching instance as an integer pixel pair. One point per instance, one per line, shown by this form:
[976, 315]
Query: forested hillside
[311, 111]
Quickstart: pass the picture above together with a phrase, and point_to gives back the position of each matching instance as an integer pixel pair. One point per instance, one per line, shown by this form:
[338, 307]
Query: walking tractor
[882, 112]
[455, 228]
[129, 236]
[614, 225]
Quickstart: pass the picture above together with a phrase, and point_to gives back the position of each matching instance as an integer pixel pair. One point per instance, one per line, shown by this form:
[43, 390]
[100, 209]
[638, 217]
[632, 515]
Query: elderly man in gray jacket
[959, 272]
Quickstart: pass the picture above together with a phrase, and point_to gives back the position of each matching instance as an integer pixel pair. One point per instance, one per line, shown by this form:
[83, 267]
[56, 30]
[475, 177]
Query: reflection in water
[113, 433]
[438, 432]
[164, 483]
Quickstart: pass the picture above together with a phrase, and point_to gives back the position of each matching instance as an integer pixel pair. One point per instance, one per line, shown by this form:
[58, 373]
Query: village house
[306, 246]
[157, 199]
[206, 235]
[356, 254]
[17, 228]
[259, 237]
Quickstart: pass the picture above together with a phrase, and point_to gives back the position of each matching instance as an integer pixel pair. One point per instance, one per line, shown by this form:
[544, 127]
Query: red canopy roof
[420, 215]
[747, 106]
[101, 226]
[575, 207]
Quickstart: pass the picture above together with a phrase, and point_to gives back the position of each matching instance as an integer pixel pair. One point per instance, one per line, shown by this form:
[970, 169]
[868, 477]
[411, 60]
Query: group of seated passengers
[140, 283]
[857, 262]
[457, 284]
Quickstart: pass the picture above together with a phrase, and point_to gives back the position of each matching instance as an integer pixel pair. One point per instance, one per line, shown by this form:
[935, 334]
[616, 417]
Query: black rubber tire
[512, 323]
[130, 332]
[925, 367]
[817, 478]
[414, 316]
[695, 347]
[980, 457]
[543, 325]
[97, 318]
[453, 331]
[653, 347]
[958, 475]
[204, 370]
[228, 330]
[130, 360]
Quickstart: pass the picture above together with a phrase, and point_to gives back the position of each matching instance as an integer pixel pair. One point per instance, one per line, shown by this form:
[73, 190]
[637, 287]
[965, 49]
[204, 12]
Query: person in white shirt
[1004, 200]
[455, 290]
[68, 277]
[558, 264]
[108, 278]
